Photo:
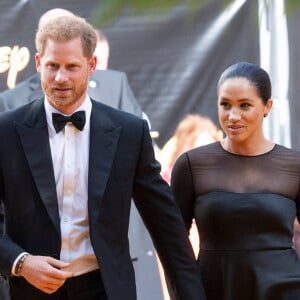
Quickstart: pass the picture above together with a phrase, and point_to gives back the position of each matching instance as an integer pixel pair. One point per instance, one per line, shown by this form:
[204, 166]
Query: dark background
[173, 58]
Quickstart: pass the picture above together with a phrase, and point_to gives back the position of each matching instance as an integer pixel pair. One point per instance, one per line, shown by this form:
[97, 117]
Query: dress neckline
[241, 155]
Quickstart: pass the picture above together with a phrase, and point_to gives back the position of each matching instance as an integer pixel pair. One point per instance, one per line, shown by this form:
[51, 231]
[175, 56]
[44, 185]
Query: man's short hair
[66, 28]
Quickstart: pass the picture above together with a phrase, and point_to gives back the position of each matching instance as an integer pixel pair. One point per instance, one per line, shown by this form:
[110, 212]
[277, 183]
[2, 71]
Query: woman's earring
[265, 115]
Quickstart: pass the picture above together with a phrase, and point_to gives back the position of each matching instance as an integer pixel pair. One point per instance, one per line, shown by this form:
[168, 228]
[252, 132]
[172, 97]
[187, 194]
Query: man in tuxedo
[68, 172]
[110, 87]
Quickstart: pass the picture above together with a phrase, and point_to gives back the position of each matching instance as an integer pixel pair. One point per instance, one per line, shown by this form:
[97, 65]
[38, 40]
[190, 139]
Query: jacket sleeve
[155, 203]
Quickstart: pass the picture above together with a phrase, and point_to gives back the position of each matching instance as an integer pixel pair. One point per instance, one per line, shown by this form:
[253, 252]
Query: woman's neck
[247, 149]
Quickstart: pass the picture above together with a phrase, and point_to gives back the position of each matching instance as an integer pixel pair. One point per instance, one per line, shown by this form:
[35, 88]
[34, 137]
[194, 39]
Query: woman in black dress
[244, 195]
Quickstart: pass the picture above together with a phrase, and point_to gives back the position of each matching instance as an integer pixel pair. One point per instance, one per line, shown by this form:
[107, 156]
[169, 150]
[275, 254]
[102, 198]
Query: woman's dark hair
[255, 74]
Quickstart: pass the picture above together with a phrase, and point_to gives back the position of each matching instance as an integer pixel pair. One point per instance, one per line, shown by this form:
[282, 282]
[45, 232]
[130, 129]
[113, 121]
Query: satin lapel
[104, 138]
[34, 137]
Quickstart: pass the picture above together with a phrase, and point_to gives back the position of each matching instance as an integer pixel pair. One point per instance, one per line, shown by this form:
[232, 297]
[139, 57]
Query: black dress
[244, 207]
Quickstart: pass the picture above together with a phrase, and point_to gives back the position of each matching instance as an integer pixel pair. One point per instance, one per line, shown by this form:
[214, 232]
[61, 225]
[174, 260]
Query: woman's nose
[234, 114]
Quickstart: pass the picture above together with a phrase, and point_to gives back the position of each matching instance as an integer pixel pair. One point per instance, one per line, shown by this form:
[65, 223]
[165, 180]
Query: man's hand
[45, 273]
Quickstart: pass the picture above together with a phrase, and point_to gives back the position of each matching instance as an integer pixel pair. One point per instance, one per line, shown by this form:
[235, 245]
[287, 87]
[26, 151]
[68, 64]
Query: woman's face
[241, 110]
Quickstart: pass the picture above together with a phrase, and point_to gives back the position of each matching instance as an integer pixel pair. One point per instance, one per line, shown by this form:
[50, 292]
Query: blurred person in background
[192, 131]
[102, 51]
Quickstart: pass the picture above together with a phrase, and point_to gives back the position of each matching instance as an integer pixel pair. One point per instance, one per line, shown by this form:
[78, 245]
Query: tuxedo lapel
[104, 138]
[34, 137]
[33, 132]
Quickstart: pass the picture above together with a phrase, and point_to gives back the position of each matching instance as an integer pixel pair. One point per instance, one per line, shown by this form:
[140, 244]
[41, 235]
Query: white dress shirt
[70, 157]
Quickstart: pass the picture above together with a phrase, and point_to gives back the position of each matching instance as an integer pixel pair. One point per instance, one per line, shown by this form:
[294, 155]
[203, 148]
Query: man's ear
[37, 62]
[92, 64]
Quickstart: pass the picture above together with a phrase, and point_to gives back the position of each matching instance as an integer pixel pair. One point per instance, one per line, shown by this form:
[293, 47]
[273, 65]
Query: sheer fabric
[244, 207]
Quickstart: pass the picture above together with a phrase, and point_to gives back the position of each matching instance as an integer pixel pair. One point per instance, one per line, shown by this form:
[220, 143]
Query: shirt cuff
[15, 263]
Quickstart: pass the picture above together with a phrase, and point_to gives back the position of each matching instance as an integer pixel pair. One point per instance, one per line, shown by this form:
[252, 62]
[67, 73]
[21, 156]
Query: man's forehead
[73, 45]
[63, 51]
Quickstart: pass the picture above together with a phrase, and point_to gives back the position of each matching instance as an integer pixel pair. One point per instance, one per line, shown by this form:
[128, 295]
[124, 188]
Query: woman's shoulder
[211, 148]
[286, 155]
[202, 155]
[285, 151]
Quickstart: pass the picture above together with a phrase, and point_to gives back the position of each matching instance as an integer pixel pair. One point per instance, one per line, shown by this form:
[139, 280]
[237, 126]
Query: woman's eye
[225, 104]
[245, 105]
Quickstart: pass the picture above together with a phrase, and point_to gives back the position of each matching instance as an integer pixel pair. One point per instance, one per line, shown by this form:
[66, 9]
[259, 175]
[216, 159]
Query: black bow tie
[59, 121]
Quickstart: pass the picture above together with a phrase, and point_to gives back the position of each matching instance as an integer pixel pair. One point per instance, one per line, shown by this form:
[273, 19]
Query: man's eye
[52, 66]
[71, 67]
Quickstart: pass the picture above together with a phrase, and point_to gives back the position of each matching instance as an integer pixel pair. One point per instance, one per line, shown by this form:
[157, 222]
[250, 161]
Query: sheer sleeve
[182, 185]
[298, 203]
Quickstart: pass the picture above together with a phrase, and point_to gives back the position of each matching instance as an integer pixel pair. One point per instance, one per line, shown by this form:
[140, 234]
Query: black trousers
[3, 289]
[84, 287]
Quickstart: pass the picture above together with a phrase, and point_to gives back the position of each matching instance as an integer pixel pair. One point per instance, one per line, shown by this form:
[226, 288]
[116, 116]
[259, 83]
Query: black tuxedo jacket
[121, 167]
[110, 87]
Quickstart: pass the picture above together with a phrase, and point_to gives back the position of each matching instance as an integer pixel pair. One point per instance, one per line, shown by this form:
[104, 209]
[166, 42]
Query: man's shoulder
[20, 94]
[115, 113]
[9, 117]
[111, 87]
[108, 74]
[29, 83]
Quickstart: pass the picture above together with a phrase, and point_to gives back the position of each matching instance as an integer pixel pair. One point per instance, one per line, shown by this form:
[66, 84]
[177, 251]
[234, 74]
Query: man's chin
[60, 101]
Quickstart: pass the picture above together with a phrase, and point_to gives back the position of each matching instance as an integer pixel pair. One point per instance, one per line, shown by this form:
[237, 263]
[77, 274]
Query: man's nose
[61, 75]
